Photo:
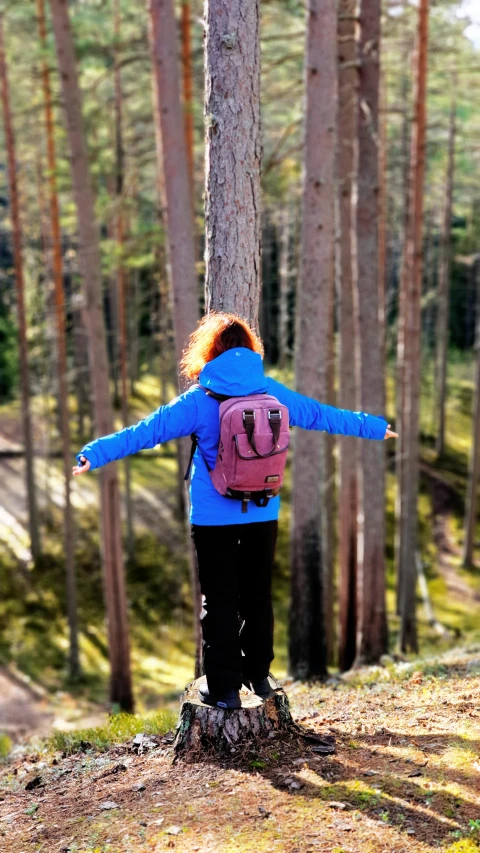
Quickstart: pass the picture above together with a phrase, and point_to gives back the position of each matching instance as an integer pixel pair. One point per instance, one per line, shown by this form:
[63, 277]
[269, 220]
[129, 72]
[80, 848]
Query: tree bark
[307, 643]
[443, 290]
[474, 467]
[188, 89]
[284, 273]
[348, 331]
[56, 240]
[328, 491]
[372, 634]
[233, 154]
[20, 294]
[121, 275]
[202, 729]
[178, 198]
[179, 216]
[89, 252]
[411, 284]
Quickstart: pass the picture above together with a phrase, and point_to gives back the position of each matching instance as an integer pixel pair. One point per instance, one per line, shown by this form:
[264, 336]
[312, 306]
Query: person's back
[235, 548]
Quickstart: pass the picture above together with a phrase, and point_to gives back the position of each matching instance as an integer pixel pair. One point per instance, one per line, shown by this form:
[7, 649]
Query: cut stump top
[247, 698]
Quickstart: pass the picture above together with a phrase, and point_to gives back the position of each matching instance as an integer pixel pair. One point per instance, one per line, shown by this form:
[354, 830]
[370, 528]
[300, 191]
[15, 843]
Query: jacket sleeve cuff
[376, 427]
[88, 454]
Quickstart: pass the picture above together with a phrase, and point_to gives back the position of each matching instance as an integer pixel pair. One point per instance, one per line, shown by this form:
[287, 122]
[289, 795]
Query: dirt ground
[405, 778]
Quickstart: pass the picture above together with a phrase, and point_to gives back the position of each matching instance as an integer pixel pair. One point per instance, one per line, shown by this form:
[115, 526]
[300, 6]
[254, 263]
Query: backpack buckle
[248, 416]
[274, 415]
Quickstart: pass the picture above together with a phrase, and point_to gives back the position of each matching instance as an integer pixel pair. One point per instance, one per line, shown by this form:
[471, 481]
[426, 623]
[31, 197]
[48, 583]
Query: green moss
[119, 729]
[5, 745]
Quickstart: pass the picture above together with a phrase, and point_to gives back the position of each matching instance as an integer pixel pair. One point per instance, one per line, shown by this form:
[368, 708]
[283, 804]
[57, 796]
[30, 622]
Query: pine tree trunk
[328, 493]
[188, 88]
[114, 581]
[233, 153]
[474, 467]
[121, 275]
[443, 290]
[178, 198]
[20, 296]
[411, 284]
[372, 635]
[348, 332]
[56, 239]
[307, 642]
[179, 217]
[285, 229]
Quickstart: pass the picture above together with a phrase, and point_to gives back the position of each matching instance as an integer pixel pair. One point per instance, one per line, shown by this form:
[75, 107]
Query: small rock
[333, 804]
[410, 831]
[143, 823]
[296, 785]
[109, 804]
[159, 821]
[36, 782]
[264, 812]
[140, 786]
[370, 773]
[473, 665]
[173, 830]
[342, 826]
[414, 773]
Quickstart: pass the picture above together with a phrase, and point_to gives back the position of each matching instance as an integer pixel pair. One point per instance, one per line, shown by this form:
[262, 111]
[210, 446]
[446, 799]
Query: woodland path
[445, 502]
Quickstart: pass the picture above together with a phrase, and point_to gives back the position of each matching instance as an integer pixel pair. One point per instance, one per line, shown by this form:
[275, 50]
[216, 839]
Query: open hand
[81, 469]
[389, 433]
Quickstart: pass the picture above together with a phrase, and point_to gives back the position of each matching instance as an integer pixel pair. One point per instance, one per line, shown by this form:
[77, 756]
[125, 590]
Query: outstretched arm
[309, 414]
[177, 419]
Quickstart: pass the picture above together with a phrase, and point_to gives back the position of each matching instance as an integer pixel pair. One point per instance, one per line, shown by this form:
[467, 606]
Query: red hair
[216, 333]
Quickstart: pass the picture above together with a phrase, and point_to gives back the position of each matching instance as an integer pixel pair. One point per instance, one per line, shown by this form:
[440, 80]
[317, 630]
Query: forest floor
[405, 777]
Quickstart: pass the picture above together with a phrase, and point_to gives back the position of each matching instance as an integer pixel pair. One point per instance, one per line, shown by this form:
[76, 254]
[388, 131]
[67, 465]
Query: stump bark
[202, 728]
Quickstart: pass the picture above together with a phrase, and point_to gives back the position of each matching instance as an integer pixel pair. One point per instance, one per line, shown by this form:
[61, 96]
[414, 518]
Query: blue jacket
[237, 372]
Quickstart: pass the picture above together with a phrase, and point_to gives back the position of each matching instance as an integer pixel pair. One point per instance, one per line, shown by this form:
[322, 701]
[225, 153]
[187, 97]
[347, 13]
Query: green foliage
[5, 745]
[119, 729]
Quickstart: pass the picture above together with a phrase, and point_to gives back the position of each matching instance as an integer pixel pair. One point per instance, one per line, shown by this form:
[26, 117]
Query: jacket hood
[235, 373]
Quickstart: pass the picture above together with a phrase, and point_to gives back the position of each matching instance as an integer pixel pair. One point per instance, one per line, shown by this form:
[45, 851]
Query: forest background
[52, 596]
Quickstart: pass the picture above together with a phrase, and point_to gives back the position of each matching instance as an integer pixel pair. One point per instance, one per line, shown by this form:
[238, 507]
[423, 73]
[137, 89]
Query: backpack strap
[193, 448]
[194, 438]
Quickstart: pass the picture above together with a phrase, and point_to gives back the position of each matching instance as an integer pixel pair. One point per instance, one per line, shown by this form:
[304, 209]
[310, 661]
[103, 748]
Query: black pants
[235, 569]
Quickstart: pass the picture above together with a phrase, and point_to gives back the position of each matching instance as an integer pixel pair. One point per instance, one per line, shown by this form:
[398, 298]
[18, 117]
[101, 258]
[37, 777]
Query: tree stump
[203, 728]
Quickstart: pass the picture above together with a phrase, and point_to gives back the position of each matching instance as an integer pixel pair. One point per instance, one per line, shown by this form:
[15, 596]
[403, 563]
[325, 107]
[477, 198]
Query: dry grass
[406, 777]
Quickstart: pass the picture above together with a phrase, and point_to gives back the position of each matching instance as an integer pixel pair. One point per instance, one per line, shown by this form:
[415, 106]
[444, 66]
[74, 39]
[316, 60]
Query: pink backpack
[252, 451]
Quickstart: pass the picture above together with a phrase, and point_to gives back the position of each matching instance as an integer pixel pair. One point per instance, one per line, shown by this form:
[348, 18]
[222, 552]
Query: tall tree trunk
[121, 276]
[474, 467]
[382, 220]
[348, 331]
[372, 635]
[328, 491]
[179, 216]
[89, 250]
[188, 88]
[20, 294]
[443, 291]
[56, 239]
[178, 197]
[284, 273]
[233, 154]
[307, 642]
[411, 285]
[405, 161]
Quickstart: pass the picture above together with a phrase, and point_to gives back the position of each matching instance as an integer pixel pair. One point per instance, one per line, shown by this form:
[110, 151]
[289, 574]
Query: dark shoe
[227, 699]
[264, 687]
